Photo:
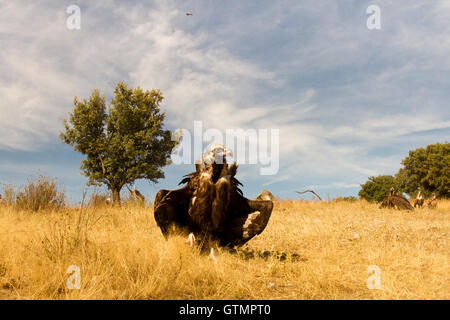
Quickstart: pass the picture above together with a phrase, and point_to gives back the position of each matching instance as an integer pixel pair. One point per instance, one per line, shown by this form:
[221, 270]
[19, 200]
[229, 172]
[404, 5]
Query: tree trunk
[116, 196]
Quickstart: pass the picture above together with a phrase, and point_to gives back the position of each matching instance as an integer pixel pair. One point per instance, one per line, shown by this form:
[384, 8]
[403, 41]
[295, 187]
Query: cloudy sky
[348, 102]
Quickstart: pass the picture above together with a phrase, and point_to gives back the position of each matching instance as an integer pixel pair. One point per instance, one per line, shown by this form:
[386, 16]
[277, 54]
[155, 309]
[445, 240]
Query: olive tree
[122, 143]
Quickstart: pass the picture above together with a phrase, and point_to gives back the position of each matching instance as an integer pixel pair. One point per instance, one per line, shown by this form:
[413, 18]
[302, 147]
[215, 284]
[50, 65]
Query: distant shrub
[427, 169]
[98, 199]
[351, 199]
[9, 196]
[41, 194]
[131, 201]
[348, 199]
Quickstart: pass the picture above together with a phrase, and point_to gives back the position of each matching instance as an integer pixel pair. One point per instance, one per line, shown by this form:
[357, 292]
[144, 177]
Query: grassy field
[121, 254]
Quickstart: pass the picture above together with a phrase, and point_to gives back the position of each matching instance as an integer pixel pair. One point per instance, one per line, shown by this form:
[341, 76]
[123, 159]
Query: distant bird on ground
[108, 198]
[393, 200]
[392, 191]
[418, 201]
[189, 14]
[432, 203]
[312, 191]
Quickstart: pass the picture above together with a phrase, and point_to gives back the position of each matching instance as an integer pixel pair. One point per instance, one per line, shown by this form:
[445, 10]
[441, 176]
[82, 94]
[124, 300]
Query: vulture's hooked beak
[223, 152]
[228, 152]
[217, 154]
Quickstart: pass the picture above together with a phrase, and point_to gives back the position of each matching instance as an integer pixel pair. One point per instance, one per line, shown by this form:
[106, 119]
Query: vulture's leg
[191, 239]
[170, 210]
[212, 256]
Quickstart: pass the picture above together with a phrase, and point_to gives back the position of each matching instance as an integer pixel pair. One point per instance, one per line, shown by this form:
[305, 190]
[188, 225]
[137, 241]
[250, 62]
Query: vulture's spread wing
[246, 219]
[170, 209]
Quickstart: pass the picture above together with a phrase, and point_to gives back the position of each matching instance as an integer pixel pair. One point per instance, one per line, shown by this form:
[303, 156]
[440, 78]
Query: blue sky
[349, 102]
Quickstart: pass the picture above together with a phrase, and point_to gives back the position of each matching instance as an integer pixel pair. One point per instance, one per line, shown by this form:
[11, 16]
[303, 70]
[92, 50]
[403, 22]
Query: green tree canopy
[377, 188]
[122, 144]
[427, 168]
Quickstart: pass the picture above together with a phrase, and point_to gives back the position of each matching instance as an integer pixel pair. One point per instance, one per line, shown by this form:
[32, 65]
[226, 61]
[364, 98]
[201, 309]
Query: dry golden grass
[122, 255]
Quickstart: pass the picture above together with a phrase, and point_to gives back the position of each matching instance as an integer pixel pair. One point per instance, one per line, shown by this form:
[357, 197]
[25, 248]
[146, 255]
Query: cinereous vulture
[393, 200]
[211, 205]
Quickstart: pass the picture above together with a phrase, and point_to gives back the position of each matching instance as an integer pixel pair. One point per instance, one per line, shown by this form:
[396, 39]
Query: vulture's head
[392, 191]
[217, 154]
